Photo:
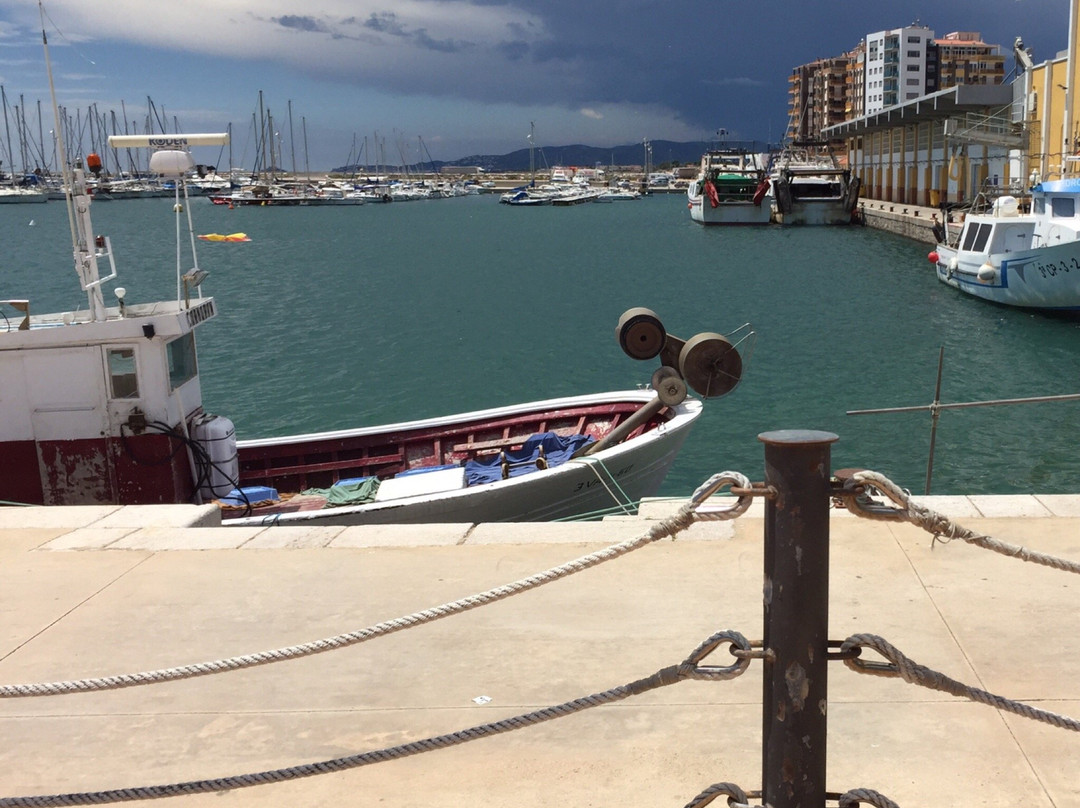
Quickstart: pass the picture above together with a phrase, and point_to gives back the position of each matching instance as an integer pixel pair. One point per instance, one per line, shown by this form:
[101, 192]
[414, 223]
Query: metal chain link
[689, 668]
[913, 673]
[937, 524]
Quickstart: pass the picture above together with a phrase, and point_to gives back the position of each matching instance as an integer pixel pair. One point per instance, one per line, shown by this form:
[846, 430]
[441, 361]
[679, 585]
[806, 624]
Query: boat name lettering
[589, 484]
[1054, 268]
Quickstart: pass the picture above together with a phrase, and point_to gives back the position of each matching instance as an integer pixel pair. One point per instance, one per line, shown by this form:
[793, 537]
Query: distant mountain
[664, 153]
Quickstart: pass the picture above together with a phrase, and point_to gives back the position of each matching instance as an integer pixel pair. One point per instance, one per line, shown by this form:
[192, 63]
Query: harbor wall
[910, 221]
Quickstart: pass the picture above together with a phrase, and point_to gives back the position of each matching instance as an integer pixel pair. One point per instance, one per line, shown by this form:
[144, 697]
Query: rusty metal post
[796, 598]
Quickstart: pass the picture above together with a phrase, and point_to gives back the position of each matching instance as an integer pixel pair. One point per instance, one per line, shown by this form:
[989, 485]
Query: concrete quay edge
[199, 527]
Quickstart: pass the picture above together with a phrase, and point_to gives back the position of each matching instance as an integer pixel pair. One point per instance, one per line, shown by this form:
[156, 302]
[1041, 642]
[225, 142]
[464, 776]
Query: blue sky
[464, 76]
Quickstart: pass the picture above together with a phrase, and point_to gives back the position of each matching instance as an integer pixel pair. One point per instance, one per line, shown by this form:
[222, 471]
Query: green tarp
[348, 493]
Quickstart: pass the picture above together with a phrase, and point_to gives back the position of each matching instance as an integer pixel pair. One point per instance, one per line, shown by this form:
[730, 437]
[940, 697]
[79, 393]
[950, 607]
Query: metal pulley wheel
[640, 333]
[710, 364]
[669, 386]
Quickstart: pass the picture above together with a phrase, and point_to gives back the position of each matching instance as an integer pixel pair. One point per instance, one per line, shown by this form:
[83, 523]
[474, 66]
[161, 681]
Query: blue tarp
[557, 450]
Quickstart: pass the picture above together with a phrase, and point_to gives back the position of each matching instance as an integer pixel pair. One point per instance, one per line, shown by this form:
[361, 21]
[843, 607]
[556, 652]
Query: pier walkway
[100, 591]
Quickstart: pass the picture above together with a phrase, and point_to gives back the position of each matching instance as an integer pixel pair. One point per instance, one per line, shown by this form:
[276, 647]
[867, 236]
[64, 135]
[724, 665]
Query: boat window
[969, 236]
[976, 237]
[1062, 207]
[1039, 206]
[982, 237]
[122, 376]
[182, 363]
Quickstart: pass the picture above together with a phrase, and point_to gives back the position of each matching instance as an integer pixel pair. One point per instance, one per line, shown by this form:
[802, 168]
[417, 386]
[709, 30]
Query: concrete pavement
[88, 592]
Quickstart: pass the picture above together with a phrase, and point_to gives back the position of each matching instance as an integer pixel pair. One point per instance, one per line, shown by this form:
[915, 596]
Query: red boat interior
[291, 468]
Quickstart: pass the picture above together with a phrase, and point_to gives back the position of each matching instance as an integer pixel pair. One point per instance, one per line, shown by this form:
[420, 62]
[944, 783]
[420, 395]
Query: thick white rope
[936, 523]
[690, 668]
[850, 799]
[916, 674]
[686, 516]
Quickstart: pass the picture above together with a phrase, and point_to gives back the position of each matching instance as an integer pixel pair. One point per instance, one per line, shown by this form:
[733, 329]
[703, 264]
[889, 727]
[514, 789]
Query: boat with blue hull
[1018, 254]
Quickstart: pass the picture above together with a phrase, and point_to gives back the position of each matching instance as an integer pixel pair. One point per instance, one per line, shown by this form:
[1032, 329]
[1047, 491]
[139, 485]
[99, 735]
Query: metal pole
[796, 599]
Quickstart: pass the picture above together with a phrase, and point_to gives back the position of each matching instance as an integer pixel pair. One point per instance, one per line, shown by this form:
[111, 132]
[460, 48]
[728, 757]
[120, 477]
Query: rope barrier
[913, 673]
[934, 522]
[849, 799]
[737, 798]
[686, 516]
[690, 668]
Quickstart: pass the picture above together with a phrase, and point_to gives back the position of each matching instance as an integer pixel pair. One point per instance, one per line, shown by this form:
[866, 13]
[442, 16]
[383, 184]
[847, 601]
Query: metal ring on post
[729, 479]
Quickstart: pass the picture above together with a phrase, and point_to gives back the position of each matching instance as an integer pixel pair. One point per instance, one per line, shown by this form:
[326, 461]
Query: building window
[913, 68]
[122, 377]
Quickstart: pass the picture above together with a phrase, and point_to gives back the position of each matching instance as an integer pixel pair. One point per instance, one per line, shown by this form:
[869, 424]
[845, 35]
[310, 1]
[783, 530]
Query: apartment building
[886, 69]
[818, 96]
[896, 67]
[963, 58]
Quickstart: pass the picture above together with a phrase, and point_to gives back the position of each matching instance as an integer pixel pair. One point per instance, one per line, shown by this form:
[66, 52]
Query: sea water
[334, 317]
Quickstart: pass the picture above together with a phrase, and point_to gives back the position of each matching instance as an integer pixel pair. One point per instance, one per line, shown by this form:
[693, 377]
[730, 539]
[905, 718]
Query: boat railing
[991, 191]
[983, 204]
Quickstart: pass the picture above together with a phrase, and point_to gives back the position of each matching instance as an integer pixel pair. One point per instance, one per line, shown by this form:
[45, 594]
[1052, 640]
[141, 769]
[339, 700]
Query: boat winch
[707, 363]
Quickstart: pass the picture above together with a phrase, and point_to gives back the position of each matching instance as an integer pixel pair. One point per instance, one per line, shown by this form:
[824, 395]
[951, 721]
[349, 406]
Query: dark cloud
[385, 22]
[443, 45]
[309, 24]
[514, 51]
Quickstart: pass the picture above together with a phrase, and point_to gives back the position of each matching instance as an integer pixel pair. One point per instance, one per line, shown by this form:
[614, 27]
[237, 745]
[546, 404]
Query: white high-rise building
[896, 67]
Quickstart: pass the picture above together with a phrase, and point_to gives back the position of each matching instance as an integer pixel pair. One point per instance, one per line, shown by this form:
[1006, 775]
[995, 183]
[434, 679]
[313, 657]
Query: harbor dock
[106, 591]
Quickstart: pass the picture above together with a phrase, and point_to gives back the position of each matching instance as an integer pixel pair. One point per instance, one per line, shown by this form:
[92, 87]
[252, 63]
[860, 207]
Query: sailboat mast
[303, 129]
[292, 140]
[7, 130]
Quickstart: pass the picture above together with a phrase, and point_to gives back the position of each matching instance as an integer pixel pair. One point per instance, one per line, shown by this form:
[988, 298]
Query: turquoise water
[349, 316]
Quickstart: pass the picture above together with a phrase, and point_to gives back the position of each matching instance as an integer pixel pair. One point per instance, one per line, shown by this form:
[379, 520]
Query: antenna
[172, 159]
[79, 221]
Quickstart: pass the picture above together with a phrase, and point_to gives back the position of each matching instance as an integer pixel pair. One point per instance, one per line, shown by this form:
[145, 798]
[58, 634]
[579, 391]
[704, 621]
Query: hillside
[664, 153]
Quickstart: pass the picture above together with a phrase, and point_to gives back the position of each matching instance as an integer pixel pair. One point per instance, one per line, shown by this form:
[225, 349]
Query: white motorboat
[1029, 259]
